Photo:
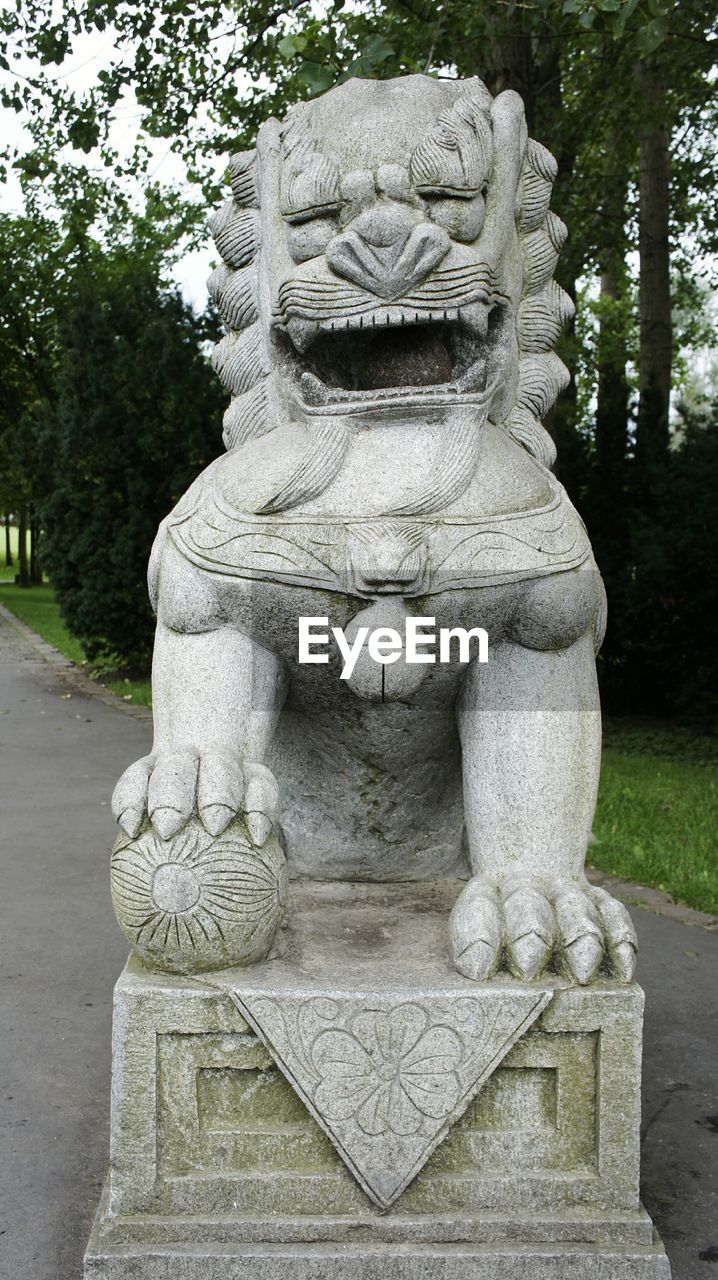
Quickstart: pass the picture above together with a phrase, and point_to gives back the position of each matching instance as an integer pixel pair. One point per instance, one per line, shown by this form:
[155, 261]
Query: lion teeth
[387, 319]
[314, 391]
[476, 319]
[475, 377]
[302, 333]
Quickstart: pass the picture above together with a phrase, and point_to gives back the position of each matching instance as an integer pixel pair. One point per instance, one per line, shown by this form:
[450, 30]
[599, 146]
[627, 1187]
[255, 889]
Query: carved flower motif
[198, 902]
[390, 1070]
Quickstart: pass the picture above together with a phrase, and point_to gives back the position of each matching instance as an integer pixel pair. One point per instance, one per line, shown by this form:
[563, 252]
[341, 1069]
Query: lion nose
[388, 249]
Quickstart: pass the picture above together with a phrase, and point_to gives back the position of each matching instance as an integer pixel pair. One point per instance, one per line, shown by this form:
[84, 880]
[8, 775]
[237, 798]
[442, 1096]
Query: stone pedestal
[355, 1108]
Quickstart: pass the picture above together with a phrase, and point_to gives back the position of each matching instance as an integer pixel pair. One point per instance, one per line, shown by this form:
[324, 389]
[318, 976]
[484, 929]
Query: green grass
[37, 607]
[657, 812]
[656, 823]
[138, 692]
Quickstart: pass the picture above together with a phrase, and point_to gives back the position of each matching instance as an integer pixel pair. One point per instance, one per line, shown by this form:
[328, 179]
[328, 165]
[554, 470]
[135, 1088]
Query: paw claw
[574, 927]
[131, 820]
[171, 786]
[479, 961]
[581, 943]
[621, 941]
[475, 931]
[171, 791]
[530, 931]
[262, 795]
[129, 798]
[259, 827]
[624, 961]
[582, 958]
[216, 818]
[219, 788]
[529, 955]
[167, 822]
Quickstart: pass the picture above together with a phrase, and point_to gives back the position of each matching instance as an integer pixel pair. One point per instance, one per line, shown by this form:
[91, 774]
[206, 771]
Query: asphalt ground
[61, 750]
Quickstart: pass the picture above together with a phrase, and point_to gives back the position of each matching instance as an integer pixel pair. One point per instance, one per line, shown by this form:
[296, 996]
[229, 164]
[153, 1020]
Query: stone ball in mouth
[408, 357]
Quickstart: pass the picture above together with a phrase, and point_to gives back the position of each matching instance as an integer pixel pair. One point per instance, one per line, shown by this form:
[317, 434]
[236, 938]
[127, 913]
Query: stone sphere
[198, 902]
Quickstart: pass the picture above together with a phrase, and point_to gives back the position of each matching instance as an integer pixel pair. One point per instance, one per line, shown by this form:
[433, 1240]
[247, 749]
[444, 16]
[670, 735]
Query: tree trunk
[8, 548]
[611, 353]
[612, 394]
[23, 576]
[509, 65]
[654, 383]
[607, 511]
[35, 570]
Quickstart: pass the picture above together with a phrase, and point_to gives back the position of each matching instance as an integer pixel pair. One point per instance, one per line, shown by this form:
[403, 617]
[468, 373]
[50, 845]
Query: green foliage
[138, 692]
[660, 650]
[667, 740]
[204, 75]
[136, 417]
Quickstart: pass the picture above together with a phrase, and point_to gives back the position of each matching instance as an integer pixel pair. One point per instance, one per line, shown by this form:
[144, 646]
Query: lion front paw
[530, 924]
[170, 786]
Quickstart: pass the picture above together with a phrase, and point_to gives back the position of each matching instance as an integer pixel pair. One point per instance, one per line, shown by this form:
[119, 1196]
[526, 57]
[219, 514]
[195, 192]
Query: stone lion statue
[387, 287]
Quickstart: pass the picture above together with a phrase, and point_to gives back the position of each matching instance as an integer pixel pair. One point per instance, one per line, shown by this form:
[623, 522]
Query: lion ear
[240, 358]
[544, 308]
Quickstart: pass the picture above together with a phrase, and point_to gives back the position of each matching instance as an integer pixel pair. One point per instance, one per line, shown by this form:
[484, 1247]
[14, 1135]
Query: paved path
[61, 951]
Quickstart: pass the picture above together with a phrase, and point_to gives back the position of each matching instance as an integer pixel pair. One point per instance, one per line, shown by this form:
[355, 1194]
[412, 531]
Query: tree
[663, 653]
[32, 271]
[613, 88]
[655, 288]
[137, 415]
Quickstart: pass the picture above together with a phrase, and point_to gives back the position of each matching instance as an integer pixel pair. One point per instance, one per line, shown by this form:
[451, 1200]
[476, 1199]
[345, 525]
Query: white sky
[90, 54]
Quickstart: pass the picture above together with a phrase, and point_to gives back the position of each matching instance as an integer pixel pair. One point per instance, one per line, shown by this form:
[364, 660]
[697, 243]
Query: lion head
[389, 249]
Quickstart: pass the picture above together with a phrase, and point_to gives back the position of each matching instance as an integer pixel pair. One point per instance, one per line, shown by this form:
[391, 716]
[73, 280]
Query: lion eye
[310, 237]
[459, 213]
[296, 218]
[430, 194]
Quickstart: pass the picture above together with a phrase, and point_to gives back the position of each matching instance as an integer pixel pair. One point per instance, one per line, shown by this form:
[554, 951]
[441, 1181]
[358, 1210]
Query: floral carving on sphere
[198, 902]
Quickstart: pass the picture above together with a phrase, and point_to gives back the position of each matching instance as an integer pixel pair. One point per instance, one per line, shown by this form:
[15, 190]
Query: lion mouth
[401, 363]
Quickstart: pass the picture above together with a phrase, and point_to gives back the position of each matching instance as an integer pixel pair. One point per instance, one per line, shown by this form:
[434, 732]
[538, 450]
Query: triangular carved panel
[386, 1076]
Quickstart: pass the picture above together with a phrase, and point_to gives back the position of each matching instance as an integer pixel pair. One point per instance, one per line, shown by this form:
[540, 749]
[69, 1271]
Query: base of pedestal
[508, 1149]
[506, 1249]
